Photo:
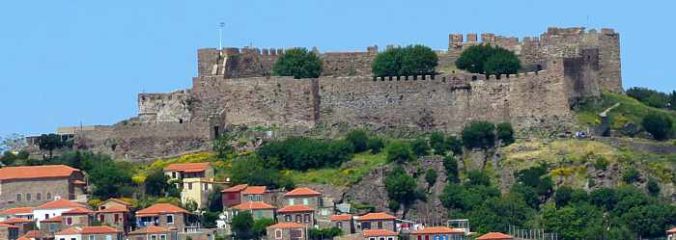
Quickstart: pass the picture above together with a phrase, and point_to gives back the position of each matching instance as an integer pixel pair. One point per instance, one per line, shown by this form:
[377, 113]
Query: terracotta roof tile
[253, 206]
[236, 188]
[114, 209]
[160, 208]
[340, 217]
[17, 210]
[495, 236]
[378, 233]
[302, 191]
[188, 167]
[87, 230]
[438, 230]
[36, 172]
[54, 219]
[34, 234]
[117, 200]
[61, 203]
[150, 229]
[254, 190]
[78, 211]
[7, 225]
[376, 216]
[284, 225]
[17, 220]
[295, 208]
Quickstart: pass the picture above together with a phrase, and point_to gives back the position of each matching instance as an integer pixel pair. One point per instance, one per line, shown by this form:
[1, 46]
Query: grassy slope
[629, 111]
[349, 173]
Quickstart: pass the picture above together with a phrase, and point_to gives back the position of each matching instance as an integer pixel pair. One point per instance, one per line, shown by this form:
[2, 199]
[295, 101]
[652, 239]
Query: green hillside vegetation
[630, 111]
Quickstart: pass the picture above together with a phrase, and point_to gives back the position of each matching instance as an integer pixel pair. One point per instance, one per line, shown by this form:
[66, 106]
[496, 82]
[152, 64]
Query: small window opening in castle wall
[539, 67]
[216, 131]
[180, 120]
[474, 78]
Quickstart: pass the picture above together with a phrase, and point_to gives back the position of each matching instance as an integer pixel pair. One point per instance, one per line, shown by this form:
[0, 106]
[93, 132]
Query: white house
[54, 208]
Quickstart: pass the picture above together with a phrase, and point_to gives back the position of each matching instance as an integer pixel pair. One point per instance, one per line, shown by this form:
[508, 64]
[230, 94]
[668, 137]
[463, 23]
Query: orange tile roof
[254, 190]
[340, 217]
[61, 203]
[495, 236]
[253, 206]
[438, 230]
[117, 200]
[150, 230]
[16, 220]
[378, 233]
[295, 208]
[236, 188]
[88, 230]
[78, 211]
[302, 191]
[670, 231]
[284, 225]
[54, 219]
[7, 225]
[36, 172]
[376, 216]
[33, 234]
[160, 208]
[114, 209]
[17, 210]
[188, 167]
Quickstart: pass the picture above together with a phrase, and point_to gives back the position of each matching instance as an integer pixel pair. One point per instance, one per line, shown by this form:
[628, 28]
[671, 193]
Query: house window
[28, 197]
[49, 196]
[163, 237]
[420, 237]
[390, 238]
[92, 237]
[292, 201]
[339, 224]
[117, 218]
[109, 237]
[38, 196]
[173, 174]
[306, 201]
[101, 218]
[299, 218]
[287, 218]
[69, 221]
[296, 233]
[381, 238]
[366, 225]
[18, 197]
[380, 225]
[307, 218]
[278, 233]
[170, 219]
[46, 216]
[189, 186]
[153, 237]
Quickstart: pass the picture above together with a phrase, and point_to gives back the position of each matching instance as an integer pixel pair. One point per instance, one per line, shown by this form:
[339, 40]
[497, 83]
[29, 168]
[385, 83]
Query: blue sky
[81, 61]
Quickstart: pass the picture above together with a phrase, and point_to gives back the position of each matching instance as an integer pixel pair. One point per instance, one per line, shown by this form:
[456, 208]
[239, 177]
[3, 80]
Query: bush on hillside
[479, 135]
[505, 133]
[300, 153]
[658, 125]
[487, 59]
[407, 61]
[651, 97]
[399, 152]
[359, 140]
[375, 144]
[420, 147]
[299, 63]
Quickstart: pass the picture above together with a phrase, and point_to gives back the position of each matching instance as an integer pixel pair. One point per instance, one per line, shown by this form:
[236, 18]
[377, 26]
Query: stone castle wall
[165, 107]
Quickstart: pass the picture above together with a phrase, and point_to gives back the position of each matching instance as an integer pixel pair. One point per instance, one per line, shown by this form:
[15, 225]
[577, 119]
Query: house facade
[36, 185]
[16, 212]
[344, 222]
[164, 215]
[8, 231]
[258, 210]
[438, 233]
[303, 196]
[153, 233]
[195, 180]
[301, 214]
[54, 208]
[286, 231]
[379, 234]
[378, 220]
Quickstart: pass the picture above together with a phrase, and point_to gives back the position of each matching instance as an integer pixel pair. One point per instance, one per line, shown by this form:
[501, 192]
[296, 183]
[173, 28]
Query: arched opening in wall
[180, 120]
[113, 147]
[216, 132]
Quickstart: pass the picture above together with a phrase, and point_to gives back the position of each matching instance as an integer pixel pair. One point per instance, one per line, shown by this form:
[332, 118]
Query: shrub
[454, 144]
[479, 134]
[438, 143]
[242, 225]
[650, 97]
[478, 178]
[505, 133]
[431, 177]
[653, 187]
[399, 152]
[601, 163]
[300, 153]
[358, 139]
[502, 61]
[631, 175]
[658, 125]
[401, 187]
[420, 147]
[451, 167]
[563, 196]
[375, 145]
[299, 63]
[488, 60]
[411, 60]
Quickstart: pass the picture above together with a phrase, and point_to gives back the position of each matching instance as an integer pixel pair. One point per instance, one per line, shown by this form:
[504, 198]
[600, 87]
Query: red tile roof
[302, 191]
[54, 219]
[295, 208]
[7, 225]
[61, 203]
[495, 236]
[284, 225]
[670, 231]
[88, 230]
[34, 234]
[438, 230]
[150, 230]
[16, 220]
[378, 233]
[254, 190]
[376, 216]
[17, 210]
[160, 208]
[78, 211]
[236, 188]
[114, 209]
[36, 172]
[117, 200]
[340, 217]
[253, 206]
[188, 167]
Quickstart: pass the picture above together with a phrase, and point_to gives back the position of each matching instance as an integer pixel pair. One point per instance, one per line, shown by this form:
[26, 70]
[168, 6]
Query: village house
[379, 234]
[9, 232]
[35, 235]
[54, 208]
[232, 196]
[438, 233]
[344, 222]
[378, 220]
[495, 236]
[195, 180]
[304, 196]
[165, 215]
[297, 213]
[77, 217]
[153, 233]
[24, 225]
[16, 212]
[115, 213]
[35, 185]
[286, 231]
[89, 233]
[51, 225]
[258, 210]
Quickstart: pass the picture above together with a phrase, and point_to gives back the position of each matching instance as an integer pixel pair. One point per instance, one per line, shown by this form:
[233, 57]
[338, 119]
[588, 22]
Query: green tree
[420, 147]
[505, 133]
[631, 175]
[528, 194]
[387, 63]
[259, 227]
[50, 142]
[253, 170]
[650, 97]
[455, 196]
[573, 221]
[537, 178]
[604, 197]
[157, 183]
[242, 226]
[502, 61]
[451, 167]
[487, 59]
[418, 60]
[658, 125]
[401, 188]
[299, 63]
[653, 187]
[359, 140]
[454, 144]
[302, 153]
[375, 144]
[563, 196]
[399, 152]
[650, 221]
[438, 143]
[478, 178]
[431, 177]
[479, 135]
[473, 58]
[223, 147]
[324, 233]
[215, 200]
[500, 212]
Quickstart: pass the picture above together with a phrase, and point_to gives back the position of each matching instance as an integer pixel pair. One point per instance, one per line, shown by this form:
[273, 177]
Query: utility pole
[220, 36]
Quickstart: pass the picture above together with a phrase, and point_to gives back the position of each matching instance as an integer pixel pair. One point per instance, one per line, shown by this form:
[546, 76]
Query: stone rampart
[165, 107]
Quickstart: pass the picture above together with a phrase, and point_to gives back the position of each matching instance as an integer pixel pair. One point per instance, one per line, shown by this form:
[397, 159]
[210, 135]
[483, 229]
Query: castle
[236, 87]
